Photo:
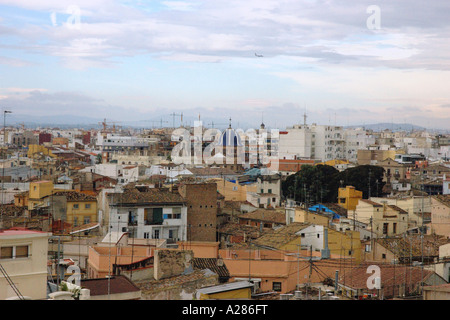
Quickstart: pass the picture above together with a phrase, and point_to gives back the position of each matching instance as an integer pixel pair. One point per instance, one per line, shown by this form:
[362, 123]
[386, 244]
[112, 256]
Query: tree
[365, 178]
[312, 184]
[320, 183]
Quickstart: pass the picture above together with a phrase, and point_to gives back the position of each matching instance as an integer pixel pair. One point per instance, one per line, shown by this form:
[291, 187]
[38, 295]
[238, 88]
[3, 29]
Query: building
[439, 292]
[149, 213]
[23, 260]
[402, 281]
[384, 219]
[111, 288]
[117, 251]
[201, 202]
[232, 190]
[313, 141]
[72, 207]
[372, 156]
[348, 197]
[227, 291]
[287, 167]
[440, 215]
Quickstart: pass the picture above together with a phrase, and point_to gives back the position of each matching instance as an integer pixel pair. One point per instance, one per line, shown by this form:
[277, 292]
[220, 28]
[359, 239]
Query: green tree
[320, 183]
[365, 178]
[312, 184]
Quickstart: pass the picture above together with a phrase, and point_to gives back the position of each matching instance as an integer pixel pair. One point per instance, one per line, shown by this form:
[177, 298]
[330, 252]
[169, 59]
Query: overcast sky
[343, 62]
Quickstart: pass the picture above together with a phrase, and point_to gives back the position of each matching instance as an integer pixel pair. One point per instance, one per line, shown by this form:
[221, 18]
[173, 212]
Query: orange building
[278, 270]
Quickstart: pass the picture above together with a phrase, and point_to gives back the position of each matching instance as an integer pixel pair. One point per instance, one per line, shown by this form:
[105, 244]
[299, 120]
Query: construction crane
[104, 124]
[212, 123]
[173, 114]
[156, 121]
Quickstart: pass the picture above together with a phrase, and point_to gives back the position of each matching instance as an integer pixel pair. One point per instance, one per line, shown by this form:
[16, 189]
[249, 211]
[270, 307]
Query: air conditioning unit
[298, 294]
[286, 296]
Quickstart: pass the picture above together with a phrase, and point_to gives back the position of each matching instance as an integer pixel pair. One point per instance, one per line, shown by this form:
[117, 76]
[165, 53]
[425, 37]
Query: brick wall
[202, 210]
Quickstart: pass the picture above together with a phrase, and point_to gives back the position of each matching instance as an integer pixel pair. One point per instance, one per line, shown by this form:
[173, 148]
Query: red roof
[19, 231]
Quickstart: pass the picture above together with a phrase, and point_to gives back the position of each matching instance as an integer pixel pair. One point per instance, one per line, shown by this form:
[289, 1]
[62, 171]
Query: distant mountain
[62, 121]
[389, 126]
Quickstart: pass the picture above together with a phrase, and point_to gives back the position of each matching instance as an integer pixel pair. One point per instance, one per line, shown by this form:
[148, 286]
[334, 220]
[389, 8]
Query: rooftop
[113, 285]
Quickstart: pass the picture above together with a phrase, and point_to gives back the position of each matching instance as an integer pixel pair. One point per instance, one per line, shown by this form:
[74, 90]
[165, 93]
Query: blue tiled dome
[230, 138]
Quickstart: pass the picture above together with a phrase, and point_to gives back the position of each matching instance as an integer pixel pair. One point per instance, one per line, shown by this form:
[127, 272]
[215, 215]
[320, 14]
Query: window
[276, 286]
[367, 248]
[156, 234]
[22, 252]
[146, 235]
[341, 200]
[12, 252]
[75, 206]
[385, 228]
[87, 220]
[6, 253]
[394, 228]
[87, 206]
[383, 256]
[318, 236]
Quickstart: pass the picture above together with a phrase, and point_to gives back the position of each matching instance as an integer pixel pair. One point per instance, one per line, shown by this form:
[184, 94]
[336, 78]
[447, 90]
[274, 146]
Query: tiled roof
[215, 265]
[336, 208]
[398, 209]
[116, 284]
[75, 196]
[265, 215]
[152, 286]
[444, 199]
[239, 230]
[404, 247]
[371, 202]
[281, 236]
[138, 195]
[211, 171]
[11, 210]
[356, 277]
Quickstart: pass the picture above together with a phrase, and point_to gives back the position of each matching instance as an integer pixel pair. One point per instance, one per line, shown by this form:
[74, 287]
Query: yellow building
[348, 197]
[39, 190]
[227, 291]
[233, 191]
[346, 243]
[303, 216]
[38, 149]
[80, 208]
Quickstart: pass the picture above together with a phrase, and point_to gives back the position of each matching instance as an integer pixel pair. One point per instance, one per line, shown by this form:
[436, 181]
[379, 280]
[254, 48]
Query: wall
[440, 218]
[201, 249]
[201, 210]
[28, 274]
[169, 263]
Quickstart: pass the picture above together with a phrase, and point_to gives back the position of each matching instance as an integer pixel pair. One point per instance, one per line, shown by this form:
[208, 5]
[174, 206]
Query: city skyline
[253, 61]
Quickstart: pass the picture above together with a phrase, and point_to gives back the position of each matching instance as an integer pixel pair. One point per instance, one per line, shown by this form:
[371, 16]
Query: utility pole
[298, 266]
[310, 270]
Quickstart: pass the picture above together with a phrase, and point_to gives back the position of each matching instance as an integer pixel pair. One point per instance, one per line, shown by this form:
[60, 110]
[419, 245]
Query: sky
[339, 62]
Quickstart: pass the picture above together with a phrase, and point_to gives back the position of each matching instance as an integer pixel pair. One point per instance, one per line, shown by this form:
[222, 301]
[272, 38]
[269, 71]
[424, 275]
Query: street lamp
[4, 125]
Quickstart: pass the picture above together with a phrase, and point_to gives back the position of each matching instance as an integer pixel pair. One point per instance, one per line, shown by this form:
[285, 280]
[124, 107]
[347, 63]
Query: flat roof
[226, 287]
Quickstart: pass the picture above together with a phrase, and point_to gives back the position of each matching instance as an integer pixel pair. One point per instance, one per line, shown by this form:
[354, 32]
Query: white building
[148, 213]
[23, 260]
[321, 142]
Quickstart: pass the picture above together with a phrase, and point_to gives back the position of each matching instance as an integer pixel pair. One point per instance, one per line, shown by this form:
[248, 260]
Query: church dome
[229, 138]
